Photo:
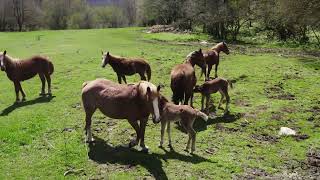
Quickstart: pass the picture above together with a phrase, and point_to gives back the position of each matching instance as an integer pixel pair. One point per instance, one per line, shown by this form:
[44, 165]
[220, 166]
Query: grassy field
[44, 138]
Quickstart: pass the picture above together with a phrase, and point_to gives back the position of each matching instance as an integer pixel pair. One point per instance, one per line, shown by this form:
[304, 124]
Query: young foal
[212, 57]
[185, 114]
[183, 77]
[21, 70]
[124, 66]
[133, 102]
[213, 86]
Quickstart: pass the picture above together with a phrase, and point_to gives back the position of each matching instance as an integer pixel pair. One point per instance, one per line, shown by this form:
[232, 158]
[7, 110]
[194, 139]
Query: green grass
[175, 37]
[45, 138]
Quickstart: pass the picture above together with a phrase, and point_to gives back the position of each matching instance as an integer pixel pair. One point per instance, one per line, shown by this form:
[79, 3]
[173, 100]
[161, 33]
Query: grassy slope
[45, 139]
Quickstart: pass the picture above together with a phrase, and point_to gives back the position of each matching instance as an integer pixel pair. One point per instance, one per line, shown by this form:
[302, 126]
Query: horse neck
[217, 49]
[10, 63]
[189, 61]
[114, 61]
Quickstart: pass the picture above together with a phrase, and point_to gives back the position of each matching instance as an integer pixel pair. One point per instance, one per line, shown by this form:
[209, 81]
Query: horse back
[211, 57]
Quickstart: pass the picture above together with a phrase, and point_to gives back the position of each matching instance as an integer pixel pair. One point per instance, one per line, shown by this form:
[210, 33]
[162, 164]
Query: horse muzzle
[155, 120]
[2, 68]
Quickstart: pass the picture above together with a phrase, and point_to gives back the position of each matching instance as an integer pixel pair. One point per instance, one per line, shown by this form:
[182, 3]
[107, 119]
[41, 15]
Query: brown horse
[213, 86]
[170, 112]
[124, 66]
[21, 70]
[212, 57]
[133, 102]
[183, 78]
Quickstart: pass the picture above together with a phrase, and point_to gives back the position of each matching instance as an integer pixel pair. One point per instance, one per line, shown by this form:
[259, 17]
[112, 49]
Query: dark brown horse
[183, 77]
[124, 66]
[133, 102]
[213, 86]
[21, 70]
[212, 57]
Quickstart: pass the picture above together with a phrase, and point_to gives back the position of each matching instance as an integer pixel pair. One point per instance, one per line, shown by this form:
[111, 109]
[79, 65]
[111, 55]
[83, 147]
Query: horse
[183, 78]
[134, 102]
[170, 112]
[212, 57]
[213, 86]
[21, 70]
[125, 66]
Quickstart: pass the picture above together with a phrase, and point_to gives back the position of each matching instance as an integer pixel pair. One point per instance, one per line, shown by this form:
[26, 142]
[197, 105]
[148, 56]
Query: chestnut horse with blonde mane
[212, 57]
[21, 70]
[134, 102]
[125, 66]
[183, 78]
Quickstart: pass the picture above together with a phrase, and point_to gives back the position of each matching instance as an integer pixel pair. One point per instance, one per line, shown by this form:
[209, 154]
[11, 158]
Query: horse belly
[28, 75]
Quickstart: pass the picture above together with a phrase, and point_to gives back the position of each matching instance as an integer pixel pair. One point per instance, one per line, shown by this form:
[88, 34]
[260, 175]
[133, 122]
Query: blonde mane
[143, 85]
[217, 46]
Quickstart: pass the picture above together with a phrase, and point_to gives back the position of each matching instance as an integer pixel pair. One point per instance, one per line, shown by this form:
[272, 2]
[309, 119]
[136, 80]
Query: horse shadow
[14, 106]
[103, 153]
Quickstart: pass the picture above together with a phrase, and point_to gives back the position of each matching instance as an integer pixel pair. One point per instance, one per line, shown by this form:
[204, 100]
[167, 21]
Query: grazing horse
[124, 66]
[170, 112]
[183, 78]
[213, 86]
[21, 70]
[133, 102]
[212, 57]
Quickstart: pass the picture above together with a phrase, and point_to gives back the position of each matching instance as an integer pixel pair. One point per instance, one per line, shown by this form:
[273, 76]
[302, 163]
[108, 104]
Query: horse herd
[135, 102]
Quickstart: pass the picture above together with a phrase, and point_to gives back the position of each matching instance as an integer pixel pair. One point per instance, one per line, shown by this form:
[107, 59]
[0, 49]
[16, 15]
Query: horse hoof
[186, 150]
[49, 94]
[23, 99]
[145, 149]
[42, 94]
[90, 141]
[132, 143]
[170, 146]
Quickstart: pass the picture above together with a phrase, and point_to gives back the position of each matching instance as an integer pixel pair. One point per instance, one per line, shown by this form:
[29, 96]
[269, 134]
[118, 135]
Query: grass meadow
[43, 138]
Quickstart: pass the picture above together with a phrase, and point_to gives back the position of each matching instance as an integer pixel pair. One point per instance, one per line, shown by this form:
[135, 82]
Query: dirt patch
[220, 127]
[301, 137]
[165, 28]
[265, 138]
[242, 102]
[253, 173]
[288, 109]
[277, 116]
[277, 92]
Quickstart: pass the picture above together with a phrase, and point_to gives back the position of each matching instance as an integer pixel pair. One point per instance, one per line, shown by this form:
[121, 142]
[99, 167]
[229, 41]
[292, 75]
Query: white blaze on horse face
[1, 60]
[155, 104]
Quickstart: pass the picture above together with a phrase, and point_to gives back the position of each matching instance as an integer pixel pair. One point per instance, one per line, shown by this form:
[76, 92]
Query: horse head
[105, 58]
[151, 94]
[196, 57]
[2, 63]
[225, 48]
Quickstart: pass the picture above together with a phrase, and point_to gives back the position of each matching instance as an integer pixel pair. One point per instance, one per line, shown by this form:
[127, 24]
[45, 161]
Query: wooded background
[296, 20]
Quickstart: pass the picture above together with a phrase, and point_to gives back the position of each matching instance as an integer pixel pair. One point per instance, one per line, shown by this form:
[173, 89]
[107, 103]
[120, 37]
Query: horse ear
[148, 90]
[5, 52]
[158, 88]
[102, 52]
[200, 50]
[108, 54]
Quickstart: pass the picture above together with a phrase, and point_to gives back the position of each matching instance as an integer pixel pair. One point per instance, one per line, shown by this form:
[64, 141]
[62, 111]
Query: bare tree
[19, 12]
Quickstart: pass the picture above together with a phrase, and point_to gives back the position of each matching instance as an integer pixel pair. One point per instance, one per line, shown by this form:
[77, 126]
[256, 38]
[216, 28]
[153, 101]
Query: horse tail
[202, 115]
[148, 71]
[50, 67]
[230, 84]
[177, 87]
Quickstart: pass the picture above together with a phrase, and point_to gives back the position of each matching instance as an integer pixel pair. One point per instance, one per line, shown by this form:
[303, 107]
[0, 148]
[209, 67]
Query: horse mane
[216, 46]
[189, 56]
[7, 57]
[143, 85]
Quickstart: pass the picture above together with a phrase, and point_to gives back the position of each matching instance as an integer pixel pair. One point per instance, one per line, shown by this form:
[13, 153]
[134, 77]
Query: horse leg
[221, 100]
[216, 70]
[209, 70]
[191, 100]
[124, 79]
[119, 78]
[186, 98]
[142, 76]
[21, 90]
[169, 135]
[49, 83]
[16, 88]
[143, 124]
[163, 127]
[136, 127]
[228, 102]
[193, 136]
[43, 82]
[202, 102]
[89, 113]
[207, 103]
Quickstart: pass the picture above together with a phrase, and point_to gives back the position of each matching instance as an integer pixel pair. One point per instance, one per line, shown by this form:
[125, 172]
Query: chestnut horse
[21, 70]
[185, 114]
[134, 102]
[212, 57]
[183, 77]
[213, 86]
[124, 66]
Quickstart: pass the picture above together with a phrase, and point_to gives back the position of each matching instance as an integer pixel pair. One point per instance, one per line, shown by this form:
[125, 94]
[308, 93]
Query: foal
[21, 70]
[213, 86]
[212, 57]
[170, 112]
[124, 66]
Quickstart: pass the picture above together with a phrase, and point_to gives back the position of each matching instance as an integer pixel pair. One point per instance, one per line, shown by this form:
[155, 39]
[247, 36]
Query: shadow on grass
[313, 63]
[15, 106]
[101, 152]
